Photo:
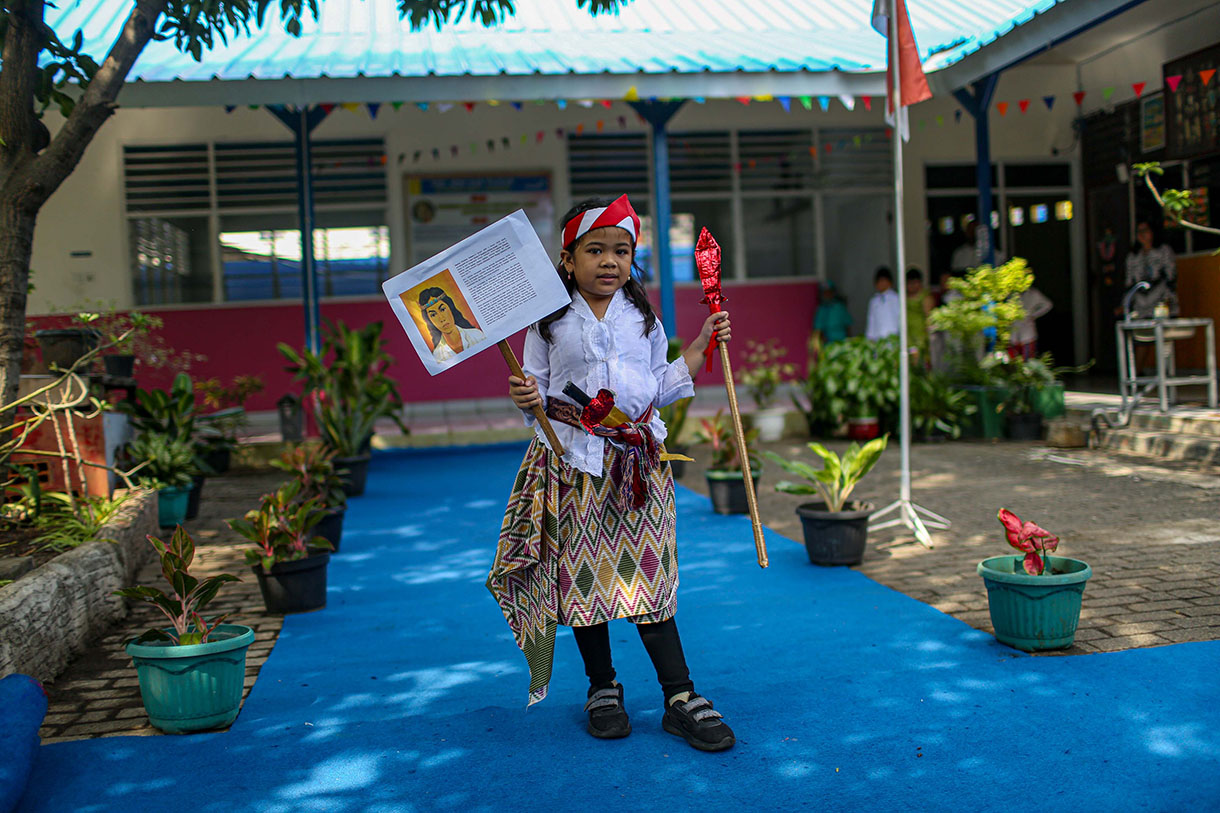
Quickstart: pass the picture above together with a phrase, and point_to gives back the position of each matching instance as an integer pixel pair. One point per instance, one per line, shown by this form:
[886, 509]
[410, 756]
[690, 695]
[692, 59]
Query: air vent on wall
[166, 178]
[857, 158]
[700, 162]
[778, 160]
[263, 175]
[609, 165]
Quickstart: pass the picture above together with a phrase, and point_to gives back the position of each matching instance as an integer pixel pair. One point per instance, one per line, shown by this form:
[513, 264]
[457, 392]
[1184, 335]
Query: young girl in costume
[590, 537]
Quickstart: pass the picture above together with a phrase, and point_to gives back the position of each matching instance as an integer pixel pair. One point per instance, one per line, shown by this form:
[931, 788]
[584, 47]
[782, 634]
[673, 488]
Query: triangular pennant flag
[622, 121]
[1138, 87]
[922, 124]
[453, 150]
[397, 105]
[504, 141]
[1207, 75]
[255, 107]
[856, 139]
[957, 116]
[940, 121]
[1002, 107]
[525, 137]
[373, 108]
[752, 165]
[824, 103]
[601, 125]
[889, 132]
[350, 107]
[632, 95]
[415, 158]
[229, 108]
[436, 153]
[786, 103]
[699, 100]
[469, 106]
[743, 99]
[580, 129]
[444, 107]
[764, 98]
[606, 103]
[474, 147]
[1023, 104]
[516, 105]
[848, 101]
[561, 103]
[813, 151]
[1106, 93]
[1078, 96]
[491, 145]
[326, 108]
[558, 132]
[541, 135]
[868, 102]
[807, 102]
[493, 102]
[422, 106]
[1049, 101]
[827, 148]
[1173, 82]
[737, 167]
[585, 102]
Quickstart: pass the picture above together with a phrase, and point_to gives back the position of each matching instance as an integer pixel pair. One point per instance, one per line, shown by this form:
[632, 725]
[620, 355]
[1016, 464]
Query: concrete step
[1181, 446]
[1181, 421]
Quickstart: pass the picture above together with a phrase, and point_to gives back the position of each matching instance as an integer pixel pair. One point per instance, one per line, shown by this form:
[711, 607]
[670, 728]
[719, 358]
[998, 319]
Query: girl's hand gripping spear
[707, 258]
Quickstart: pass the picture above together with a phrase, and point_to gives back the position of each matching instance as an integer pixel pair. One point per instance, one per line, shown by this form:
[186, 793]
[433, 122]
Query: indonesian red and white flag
[912, 82]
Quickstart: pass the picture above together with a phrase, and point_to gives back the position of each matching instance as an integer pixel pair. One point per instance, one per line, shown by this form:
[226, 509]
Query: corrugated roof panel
[366, 37]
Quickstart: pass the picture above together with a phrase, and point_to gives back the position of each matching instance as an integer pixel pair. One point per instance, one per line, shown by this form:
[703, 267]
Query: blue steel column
[658, 115]
[302, 122]
[978, 104]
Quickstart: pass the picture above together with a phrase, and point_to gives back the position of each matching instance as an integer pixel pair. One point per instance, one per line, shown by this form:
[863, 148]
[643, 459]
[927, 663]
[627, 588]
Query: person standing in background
[1023, 341]
[1152, 261]
[831, 322]
[919, 305]
[882, 307]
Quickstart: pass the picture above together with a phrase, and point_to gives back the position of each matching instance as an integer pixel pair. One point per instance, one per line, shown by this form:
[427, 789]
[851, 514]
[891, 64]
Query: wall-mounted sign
[1192, 115]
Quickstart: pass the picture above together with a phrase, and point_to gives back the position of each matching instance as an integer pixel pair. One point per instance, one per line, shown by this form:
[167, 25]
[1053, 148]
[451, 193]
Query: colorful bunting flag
[601, 125]
[525, 137]
[848, 101]
[326, 108]
[1023, 104]
[436, 153]
[453, 150]
[469, 106]
[415, 158]
[229, 108]
[606, 103]
[622, 121]
[491, 145]
[744, 99]
[824, 103]
[423, 106]
[1106, 93]
[940, 121]
[1207, 75]
[1002, 107]
[493, 102]
[1049, 101]
[807, 102]
[444, 107]
[350, 107]
[1138, 87]
[827, 147]
[373, 108]
[541, 135]
[868, 102]
[1079, 97]
[561, 103]
[1173, 82]
[516, 105]
[396, 105]
[580, 129]
[632, 95]
[957, 116]
[786, 103]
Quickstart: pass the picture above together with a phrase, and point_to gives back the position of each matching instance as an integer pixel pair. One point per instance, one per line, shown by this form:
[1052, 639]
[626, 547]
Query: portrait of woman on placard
[450, 330]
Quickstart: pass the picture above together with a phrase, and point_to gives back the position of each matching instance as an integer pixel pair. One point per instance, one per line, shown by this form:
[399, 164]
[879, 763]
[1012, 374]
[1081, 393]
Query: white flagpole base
[909, 517]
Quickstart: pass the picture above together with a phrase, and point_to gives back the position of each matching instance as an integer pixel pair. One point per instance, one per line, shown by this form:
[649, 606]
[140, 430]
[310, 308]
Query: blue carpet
[406, 693]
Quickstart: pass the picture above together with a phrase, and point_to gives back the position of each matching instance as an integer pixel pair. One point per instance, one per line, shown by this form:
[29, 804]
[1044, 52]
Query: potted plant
[313, 468]
[62, 347]
[938, 409]
[674, 415]
[1034, 598]
[191, 674]
[288, 559]
[221, 429]
[725, 482]
[167, 465]
[348, 391]
[762, 376]
[122, 333]
[836, 532]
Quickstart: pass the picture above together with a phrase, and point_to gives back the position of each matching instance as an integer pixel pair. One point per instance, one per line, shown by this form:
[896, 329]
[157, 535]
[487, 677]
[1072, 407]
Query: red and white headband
[618, 214]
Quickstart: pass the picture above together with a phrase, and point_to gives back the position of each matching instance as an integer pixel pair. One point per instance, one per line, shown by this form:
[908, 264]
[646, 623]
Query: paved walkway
[1147, 529]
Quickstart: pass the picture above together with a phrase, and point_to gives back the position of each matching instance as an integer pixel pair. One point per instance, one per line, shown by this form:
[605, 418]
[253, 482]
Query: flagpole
[908, 512]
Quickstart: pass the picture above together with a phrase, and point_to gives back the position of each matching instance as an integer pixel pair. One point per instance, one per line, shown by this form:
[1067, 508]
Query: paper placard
[479, 291]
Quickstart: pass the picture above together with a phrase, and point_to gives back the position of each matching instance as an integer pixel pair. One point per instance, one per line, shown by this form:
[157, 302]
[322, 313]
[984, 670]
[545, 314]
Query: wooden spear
[707, 258]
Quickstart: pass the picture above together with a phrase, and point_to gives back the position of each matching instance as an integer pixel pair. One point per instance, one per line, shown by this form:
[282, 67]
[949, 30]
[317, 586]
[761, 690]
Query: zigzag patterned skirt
[568, 554]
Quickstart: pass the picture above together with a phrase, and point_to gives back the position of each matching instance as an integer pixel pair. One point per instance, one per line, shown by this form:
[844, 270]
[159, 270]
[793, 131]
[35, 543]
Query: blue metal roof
[365, 38]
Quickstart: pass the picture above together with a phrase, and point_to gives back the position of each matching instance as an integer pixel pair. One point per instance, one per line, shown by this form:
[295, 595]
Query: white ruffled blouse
[612, 353]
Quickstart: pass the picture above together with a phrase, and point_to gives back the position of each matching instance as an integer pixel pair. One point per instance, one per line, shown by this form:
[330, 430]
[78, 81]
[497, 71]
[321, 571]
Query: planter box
[1033, 613]
[1048, 401]
[56, 611]
[986, 422]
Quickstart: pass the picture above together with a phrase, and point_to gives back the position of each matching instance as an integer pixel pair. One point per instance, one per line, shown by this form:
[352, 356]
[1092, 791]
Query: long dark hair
[1158, 234]
[632, 288]
[459, 319]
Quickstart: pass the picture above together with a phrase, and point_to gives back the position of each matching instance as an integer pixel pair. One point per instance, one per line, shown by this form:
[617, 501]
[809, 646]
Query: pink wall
[241, 340]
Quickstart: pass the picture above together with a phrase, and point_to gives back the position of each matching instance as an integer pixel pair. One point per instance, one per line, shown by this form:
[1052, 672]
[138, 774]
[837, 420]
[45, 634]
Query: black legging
[663, 645]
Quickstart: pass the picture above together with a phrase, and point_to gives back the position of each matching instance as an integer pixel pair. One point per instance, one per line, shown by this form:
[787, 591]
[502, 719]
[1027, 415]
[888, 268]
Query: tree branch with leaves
[1177, 204]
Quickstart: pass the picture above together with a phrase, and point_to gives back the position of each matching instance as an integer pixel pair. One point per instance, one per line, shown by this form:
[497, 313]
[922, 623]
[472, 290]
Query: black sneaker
[607, 717]
[699, 724]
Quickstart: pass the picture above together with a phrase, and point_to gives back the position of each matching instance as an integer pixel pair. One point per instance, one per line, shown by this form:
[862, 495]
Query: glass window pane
[681, 248]
[261, 255]
[779, 237]
[171, 260]
[689, 218]
[859, 238]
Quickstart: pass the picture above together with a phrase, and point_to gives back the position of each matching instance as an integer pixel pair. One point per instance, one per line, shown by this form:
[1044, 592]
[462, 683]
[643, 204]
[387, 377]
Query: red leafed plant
[1033, 541]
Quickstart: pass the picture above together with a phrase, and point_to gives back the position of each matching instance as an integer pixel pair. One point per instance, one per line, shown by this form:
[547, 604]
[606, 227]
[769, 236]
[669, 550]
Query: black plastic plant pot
[1024, 426]
[355, 472]
[219, 459]
[294, 587]
[835, 537]
[193, 496]
[728, 491]
[121, 366]
[331, 526]
[65, 346]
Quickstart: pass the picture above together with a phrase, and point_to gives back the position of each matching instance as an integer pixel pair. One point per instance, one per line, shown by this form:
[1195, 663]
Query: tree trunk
[16, 245]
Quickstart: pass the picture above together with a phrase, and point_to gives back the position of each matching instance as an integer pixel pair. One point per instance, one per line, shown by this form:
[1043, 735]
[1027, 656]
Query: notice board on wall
[443, 209]
[1192, 110]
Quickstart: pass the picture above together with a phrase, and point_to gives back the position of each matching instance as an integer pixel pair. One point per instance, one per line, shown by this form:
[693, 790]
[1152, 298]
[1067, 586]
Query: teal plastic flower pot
[194, 687]
[987, 421]
[1033, 613]
[171, 505]
[1048, 401]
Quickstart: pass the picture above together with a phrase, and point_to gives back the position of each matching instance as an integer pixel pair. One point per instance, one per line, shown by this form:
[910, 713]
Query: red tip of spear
[707, 260]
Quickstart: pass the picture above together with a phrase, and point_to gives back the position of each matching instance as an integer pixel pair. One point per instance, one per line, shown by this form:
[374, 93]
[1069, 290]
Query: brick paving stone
[1179, 636]
[1130, 641]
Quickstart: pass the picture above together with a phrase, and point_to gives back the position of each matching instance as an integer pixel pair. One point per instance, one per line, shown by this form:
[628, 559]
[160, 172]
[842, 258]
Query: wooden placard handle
[760, 545]
[514, 367]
